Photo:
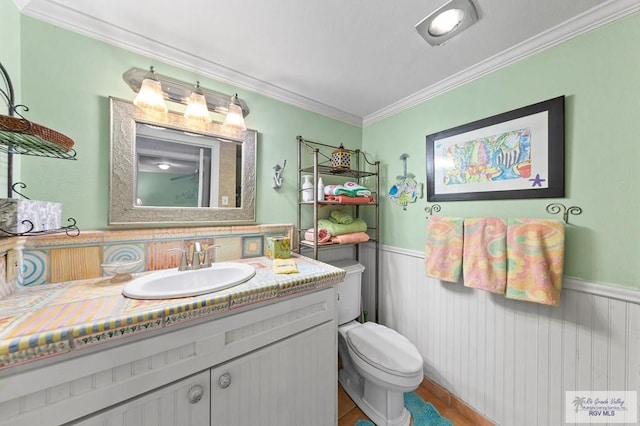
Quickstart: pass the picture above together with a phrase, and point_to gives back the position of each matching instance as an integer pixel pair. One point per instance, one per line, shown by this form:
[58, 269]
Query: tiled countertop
[55, 319]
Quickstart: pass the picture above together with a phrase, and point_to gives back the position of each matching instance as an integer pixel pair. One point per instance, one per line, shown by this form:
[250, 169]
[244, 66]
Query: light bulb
[150, 95]
[197, 106]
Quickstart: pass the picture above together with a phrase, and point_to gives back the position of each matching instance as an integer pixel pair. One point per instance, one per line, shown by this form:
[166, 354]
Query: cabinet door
[182, 403]
[289, 383]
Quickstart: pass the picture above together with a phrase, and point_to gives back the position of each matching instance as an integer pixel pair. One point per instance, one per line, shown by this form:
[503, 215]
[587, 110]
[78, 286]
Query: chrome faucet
[199, 257]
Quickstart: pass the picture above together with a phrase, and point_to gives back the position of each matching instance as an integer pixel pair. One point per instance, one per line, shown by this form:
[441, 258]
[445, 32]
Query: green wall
[67, 80]
[599, 73]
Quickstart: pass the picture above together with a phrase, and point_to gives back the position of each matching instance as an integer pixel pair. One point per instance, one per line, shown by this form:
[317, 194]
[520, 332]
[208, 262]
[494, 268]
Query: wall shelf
[23, 137]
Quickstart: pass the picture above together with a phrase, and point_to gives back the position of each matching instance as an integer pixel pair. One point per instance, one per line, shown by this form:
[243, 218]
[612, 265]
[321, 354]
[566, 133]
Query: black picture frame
[514, 155]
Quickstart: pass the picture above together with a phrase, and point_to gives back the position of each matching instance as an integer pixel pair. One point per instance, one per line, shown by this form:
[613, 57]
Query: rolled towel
[323, 235]
[341, 217]
[352, 238]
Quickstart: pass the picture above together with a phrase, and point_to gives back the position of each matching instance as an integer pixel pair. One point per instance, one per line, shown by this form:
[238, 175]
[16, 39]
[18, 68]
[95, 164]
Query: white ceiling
[355, 60]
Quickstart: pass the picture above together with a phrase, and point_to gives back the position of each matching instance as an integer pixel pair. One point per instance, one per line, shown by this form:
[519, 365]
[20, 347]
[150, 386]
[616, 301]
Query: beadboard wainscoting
[512, 361]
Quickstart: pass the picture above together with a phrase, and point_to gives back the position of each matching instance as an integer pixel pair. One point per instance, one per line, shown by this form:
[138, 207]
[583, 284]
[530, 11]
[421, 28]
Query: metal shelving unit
[319, 156]
[21, 136]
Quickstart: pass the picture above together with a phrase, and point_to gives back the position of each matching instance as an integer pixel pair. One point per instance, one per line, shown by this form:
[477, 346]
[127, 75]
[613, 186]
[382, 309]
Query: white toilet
[378, 364]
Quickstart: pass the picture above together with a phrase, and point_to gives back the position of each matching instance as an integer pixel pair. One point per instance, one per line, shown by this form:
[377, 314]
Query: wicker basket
[19, 125]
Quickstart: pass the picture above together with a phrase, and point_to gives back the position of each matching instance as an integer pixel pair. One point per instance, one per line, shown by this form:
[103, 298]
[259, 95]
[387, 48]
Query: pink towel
[484, 259]
[352, 238]
[443, 252]
[344, 199]
[323, 235]
[535, 260]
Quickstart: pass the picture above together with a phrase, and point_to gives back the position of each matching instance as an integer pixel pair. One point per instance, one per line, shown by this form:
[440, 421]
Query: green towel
[339, 217]
[358, 225]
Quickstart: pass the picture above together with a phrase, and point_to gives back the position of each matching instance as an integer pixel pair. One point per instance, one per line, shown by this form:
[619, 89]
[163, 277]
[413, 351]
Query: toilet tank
[348, 291]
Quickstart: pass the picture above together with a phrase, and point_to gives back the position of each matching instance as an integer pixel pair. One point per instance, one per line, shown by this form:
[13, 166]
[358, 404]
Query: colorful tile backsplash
[56, 258]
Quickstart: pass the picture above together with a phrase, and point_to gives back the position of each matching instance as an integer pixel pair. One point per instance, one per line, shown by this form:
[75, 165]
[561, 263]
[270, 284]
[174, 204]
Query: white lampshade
[150, 95]
[197, 106]
[234, 116]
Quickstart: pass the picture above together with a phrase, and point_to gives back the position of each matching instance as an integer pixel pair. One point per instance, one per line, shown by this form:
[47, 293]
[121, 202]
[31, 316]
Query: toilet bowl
[378, 364]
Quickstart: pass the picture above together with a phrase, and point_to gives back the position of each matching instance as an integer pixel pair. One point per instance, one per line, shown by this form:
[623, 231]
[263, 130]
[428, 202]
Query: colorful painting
[497, 157]
[518, 154]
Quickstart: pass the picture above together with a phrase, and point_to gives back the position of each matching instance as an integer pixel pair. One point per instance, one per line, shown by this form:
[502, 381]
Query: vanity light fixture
[234, 116]
[197, 106]
[180, 92]
[447, 21]
[150, 94]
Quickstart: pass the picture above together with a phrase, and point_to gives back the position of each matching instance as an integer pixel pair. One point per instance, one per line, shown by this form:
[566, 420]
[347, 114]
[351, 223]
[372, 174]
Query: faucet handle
[207, 259]
[183, 258]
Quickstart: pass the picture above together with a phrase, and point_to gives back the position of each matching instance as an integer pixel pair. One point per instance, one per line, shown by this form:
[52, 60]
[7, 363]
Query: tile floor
[349, 414]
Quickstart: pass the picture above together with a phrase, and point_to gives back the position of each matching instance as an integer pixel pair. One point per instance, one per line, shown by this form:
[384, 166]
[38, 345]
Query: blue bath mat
[423, 413]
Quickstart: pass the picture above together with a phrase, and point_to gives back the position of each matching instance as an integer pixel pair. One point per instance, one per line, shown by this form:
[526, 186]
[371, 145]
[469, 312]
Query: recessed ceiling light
[164, 166]
[447, 21]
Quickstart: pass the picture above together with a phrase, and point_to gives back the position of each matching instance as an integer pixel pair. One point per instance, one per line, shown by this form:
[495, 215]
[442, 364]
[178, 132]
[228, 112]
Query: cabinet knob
[195, 394]
[224, 381]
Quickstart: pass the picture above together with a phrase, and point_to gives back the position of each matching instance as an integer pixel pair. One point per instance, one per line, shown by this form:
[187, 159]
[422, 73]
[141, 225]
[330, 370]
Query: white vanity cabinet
[275, 364]
[182, 403]
[288, 383]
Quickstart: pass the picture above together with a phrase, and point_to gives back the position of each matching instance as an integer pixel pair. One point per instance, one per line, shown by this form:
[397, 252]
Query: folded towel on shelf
[344, 199]
[352, 238]
[484, 258]
[356, 189]
[350, 189]
[358, 225]
[285, 266]
[341, 217]
[443, 252]
[323, 235]
[535, 260]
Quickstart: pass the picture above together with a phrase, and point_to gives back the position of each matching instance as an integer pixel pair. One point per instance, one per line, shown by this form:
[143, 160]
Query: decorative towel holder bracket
[555, 208]
[435, 208]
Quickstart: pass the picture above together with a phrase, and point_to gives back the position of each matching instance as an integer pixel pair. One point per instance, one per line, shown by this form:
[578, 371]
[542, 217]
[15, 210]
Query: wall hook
[277, 174]
[555, 208]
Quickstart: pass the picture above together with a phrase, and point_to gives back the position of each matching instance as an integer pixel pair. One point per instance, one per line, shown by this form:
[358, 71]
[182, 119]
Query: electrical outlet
[12, 265]
[225, 200]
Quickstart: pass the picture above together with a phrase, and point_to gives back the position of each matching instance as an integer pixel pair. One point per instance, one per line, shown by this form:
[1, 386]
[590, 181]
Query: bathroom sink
[171, 283]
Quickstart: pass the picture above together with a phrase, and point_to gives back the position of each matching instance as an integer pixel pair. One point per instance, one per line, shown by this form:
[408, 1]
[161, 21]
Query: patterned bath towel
[443, 252]
[350, 189]
[484, 259]
[535, 260]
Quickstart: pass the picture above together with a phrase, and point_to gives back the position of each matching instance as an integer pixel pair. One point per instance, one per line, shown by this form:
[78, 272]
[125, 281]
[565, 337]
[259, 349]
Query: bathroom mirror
[165, 170]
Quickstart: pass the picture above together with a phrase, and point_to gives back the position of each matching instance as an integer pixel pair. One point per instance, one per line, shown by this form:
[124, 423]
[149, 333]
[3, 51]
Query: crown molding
[60, 15]
[67, 18]
[604, 14]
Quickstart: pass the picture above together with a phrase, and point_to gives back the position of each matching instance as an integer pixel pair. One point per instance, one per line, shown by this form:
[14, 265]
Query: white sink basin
[171, 283]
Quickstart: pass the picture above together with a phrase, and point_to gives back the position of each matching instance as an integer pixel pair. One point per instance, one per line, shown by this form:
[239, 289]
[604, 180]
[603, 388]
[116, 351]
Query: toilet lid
[385, 349]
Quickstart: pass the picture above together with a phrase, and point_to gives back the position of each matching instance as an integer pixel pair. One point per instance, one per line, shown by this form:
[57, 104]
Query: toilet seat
[384, 350]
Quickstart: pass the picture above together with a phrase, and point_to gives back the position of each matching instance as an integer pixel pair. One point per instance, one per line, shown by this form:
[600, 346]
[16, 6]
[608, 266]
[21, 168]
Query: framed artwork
[517, 154]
